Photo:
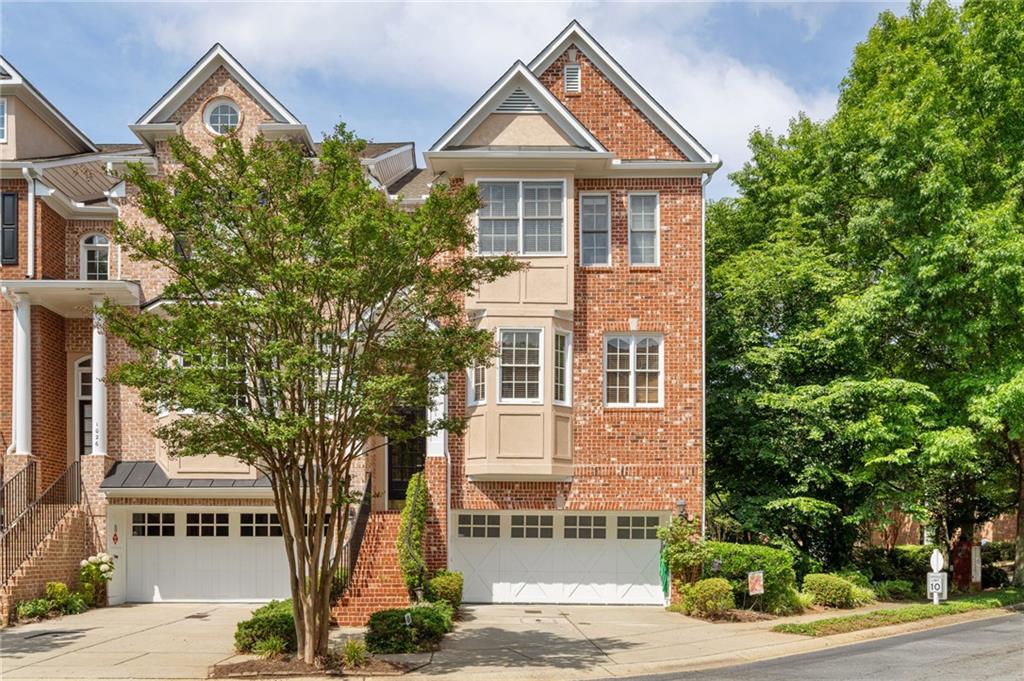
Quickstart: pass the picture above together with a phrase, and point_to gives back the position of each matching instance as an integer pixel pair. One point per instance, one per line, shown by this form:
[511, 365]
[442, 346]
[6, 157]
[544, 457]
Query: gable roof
[518, 82]
[214, 58]
[14, 82]
[575, 34]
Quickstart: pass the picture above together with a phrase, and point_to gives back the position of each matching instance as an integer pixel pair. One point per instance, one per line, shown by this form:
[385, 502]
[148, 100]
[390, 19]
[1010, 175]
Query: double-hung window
[633, 370]
[95, 257]
[519, 365]
[563, 369]
[521, 218]
[477, 388]
[643, 229]
[595, 229]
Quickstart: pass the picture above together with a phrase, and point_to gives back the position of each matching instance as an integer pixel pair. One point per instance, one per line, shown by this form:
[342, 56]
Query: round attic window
[221, 116]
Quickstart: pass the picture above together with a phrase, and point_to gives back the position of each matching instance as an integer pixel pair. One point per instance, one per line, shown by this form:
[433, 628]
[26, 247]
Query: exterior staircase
[376, 582]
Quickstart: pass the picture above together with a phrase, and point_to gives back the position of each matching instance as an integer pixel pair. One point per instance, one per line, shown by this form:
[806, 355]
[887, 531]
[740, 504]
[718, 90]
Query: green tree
[305, 311]
[866, 292]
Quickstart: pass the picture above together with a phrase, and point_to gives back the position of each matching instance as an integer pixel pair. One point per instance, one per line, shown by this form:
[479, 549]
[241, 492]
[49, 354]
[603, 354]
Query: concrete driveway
[143, 641]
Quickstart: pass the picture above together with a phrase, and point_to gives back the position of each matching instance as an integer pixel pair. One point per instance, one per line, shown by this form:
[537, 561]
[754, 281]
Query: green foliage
[736, 560]
[446, 586]
[862, 595]
[93, 575]
[895, 590]
[270, 647]
[864, 295]
[909, 563]
[684, 550]
[58, 594]
[993, 577]
[410, 533]
[388, 633]
[997, 552]
[910, 613]
[333, 306]
[855, 577]
[272, 621]
[354, 653]
[708, 598]
[37, 608]
[829, 590]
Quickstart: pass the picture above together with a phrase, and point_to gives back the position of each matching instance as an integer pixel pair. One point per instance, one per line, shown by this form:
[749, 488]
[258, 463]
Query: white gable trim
[518, 76]
[197, 75]
[17, 81]
[575, 33]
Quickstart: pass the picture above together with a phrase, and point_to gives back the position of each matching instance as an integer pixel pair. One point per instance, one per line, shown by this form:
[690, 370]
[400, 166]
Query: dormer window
[95, 258]
[222, 116]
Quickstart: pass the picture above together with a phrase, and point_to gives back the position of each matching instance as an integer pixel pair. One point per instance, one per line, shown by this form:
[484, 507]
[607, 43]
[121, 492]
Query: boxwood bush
[388, 633]
[273, 620]
[734, 561]
[708, 598]
[829, 590]
[446, 586]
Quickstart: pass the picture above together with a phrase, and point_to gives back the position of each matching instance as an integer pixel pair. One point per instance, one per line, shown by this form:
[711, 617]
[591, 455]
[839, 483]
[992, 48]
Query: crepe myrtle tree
[305, 312]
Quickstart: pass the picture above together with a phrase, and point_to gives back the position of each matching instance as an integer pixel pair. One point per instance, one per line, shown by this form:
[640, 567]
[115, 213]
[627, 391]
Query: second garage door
[558, 558]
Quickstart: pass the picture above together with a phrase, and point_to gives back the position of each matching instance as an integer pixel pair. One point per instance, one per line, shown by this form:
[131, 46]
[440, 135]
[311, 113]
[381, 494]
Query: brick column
[94, 502]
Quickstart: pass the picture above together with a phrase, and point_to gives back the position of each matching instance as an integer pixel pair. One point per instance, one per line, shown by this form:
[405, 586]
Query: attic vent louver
[518, 102]
[572, 77]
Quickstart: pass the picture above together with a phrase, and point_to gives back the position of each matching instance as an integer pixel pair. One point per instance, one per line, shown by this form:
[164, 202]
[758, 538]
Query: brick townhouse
[584, 435]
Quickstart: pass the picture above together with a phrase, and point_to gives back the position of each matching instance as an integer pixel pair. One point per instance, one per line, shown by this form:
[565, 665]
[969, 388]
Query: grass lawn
[911, 613]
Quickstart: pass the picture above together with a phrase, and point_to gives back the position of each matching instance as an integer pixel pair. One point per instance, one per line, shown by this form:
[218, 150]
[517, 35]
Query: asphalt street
[986, 650]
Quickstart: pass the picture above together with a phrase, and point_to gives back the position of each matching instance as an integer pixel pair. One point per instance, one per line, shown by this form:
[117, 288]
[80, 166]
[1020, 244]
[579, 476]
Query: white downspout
[6, 294]
[706, 177]
[30, 270]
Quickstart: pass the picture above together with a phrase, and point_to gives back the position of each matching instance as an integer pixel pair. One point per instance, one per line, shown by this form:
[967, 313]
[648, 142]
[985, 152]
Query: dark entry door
[405, 459]
[84, 427]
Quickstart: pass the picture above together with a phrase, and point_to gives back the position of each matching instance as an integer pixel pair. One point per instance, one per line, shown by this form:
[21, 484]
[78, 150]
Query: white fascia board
[17, 79]
[203, 69]
[493, 97]
[150, 133]
[68, 208]
[575, 33]
[190, 492]
[513, 153]
[370, 160]
[274, 130]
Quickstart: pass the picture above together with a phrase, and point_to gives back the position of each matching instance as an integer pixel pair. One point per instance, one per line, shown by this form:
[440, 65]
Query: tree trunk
[1018, 562]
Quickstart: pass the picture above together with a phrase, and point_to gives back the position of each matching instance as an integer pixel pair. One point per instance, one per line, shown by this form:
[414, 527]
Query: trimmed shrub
[446, 586]
[708, 598]
[895, 590]
[855, 577]
[58, 600]
[387, 632]
[998, 552]
[734, 561]
[37, 608]
[273, 620]
[829, 590]
[58, 594]
[410, 533]
[862, 595]
[994, 577]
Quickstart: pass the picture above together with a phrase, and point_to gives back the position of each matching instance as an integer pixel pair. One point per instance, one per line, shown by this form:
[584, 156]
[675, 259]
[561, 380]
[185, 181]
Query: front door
[83, 400]
[405, 459]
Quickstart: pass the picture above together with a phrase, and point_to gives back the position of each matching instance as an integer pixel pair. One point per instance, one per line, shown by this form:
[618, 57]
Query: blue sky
[408, 71]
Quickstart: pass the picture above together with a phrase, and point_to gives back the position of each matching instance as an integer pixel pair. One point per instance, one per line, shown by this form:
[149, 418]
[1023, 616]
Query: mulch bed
[285, 667]
[737, 615]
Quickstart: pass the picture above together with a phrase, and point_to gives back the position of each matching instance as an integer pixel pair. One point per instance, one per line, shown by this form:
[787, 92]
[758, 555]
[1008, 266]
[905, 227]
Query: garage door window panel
[585, 527]
[479, 526]
[260, 525]
[152, 524]
[206, 525]
[637, 527]
[533, 527]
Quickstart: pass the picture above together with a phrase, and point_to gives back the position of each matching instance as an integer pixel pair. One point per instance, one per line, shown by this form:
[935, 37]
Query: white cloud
[460, 49]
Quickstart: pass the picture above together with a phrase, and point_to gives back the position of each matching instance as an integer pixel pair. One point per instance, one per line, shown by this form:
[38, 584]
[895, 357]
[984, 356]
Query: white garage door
[558, 558]
[189, 553]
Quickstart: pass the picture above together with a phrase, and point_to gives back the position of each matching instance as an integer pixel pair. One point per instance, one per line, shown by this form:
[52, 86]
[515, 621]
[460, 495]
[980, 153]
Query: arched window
[95, 258]
[83, 406]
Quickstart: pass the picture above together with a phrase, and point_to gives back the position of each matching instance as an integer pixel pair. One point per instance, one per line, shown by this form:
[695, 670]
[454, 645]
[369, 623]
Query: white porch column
[23, 375]
[99, 386]
[438, 409]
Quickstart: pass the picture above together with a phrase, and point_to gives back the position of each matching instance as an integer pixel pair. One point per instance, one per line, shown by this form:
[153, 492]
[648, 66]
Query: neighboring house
[584, 435]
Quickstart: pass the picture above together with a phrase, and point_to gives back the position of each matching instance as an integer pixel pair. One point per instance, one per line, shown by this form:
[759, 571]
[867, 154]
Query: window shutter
[9, 230]
[572, 78]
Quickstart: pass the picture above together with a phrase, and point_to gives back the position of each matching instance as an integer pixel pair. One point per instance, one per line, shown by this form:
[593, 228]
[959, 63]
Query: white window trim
[471, 386]
[83, 249]
[213, 104]
[657, 229]
[540, 372]
[567, 402]
[521, 217]
[597, 265]
[3, 136]
[632, 338]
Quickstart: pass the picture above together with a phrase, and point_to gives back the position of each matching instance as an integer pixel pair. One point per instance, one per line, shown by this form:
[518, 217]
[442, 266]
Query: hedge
[410, 533]
[387, 632]
[273, 620]
[736, 560]
[910, 562]
[708, 598]
[829, 590]
[446, 586]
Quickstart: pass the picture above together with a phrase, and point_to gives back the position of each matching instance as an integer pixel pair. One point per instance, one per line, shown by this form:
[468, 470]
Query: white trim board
[575, 34]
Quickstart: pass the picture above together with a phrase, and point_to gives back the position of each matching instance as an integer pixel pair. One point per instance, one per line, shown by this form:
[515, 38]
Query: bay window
[521, 217]
[519, 365]
[563, 359]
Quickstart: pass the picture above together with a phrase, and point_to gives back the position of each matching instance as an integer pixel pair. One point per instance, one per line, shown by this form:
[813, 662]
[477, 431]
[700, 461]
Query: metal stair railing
[350, 549]
[25, 532]
[16, 494]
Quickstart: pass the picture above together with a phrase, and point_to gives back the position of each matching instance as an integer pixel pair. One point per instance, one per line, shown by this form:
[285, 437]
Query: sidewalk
[493, 643]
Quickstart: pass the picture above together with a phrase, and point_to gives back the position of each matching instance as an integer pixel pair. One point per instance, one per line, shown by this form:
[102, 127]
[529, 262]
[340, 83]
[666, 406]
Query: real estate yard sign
[755, 583]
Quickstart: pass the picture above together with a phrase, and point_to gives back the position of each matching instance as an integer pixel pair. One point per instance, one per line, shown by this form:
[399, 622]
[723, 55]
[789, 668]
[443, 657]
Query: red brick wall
[20, 187]
[50, 248]
[76, 229]
[608, 114]
[49, 393]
